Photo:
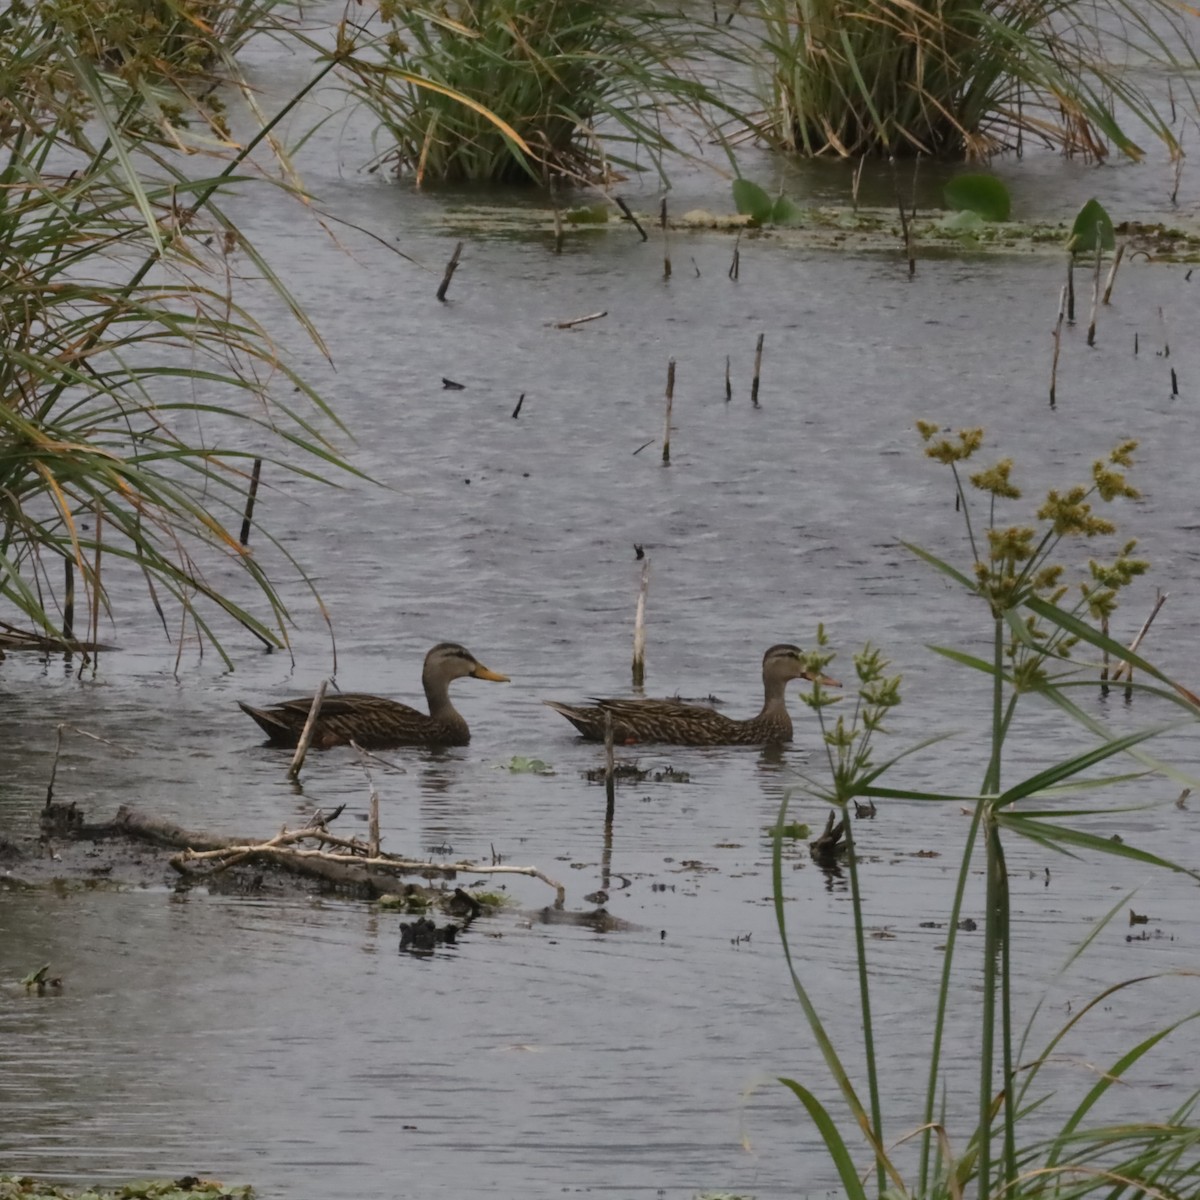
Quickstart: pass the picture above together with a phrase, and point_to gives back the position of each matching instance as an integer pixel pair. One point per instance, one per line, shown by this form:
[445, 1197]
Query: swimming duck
[637, 720]
[375, 722]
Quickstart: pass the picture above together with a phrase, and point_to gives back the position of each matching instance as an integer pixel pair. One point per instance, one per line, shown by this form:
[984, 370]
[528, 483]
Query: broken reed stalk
[54, 765]
[728, 381]
[1062, 300]
[372, 804]
[99, 513]
[905, 227]
[1162, 320]
[610, 771]
[306, 736]
[62, 726]
[451, 267]
[855, 181]
[516, 412]
[1112, 271]
[69, 599]
[558, 223]
[1070, 287]
[251, 495]
[757, 370]
[1174, 383]
[630, 217]
[1104, 659]
[639, 628]
[666, 453]
[1091, 333]
[662, 221]
[735, 263]
[1124, 667]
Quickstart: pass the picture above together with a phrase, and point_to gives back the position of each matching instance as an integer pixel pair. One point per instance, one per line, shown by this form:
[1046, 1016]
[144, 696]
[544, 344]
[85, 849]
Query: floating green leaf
[1092, 218]
[752, 200]
[982, 194]
[520, 765]
[785, 211]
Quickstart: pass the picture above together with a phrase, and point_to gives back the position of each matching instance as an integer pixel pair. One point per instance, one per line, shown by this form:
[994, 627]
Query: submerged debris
[630, 772]
[188, 1187]
[423, 936]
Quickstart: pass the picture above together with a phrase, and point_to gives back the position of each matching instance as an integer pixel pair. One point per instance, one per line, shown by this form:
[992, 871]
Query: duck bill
[481, 672]
[823, 680]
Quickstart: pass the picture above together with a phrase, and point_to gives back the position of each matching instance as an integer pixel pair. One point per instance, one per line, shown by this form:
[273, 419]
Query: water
[286, 1042]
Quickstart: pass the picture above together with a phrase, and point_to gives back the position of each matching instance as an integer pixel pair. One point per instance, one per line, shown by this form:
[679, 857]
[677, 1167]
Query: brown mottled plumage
[375, 722]
[693, 724]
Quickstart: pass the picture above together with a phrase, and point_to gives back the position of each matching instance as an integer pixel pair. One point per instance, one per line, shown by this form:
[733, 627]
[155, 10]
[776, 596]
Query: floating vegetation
[189, 1187]
[423, 936]
[630, 772]
[40, 980]
[862, 231]
[793, 830]
[520, 765]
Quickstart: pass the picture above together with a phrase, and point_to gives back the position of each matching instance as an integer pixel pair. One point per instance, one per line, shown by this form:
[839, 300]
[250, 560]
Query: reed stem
[666, 450]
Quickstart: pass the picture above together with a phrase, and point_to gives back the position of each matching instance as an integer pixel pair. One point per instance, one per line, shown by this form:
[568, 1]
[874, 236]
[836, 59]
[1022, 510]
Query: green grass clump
[968, 78]
[514, 91]
[1041, 631]
[134, 388]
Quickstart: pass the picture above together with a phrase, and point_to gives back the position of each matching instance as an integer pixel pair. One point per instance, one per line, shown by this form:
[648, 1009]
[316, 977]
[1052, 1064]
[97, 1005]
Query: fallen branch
[319, 862]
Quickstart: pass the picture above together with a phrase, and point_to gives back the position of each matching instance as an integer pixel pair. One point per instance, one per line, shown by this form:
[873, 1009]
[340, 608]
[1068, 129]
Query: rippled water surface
[287, 1043]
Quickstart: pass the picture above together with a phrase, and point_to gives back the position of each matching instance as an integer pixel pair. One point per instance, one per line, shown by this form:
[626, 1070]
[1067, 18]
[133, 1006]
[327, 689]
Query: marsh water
[286, 1042]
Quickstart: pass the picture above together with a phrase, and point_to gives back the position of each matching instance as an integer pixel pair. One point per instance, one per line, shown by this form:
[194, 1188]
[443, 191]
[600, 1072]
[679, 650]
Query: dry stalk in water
[306, 734]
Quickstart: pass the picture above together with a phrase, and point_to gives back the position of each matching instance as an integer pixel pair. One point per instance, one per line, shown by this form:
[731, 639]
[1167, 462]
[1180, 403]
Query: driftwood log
[311, 851]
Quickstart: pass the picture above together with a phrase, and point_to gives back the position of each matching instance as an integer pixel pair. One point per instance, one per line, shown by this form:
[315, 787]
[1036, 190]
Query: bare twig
[579, 320]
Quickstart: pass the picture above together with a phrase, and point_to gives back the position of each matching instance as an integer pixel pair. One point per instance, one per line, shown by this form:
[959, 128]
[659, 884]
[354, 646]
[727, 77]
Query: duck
[375, 722]
[645, 720]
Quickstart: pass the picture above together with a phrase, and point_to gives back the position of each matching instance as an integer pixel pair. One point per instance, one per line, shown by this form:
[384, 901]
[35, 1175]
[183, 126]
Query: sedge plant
[970, 78]
[1036, 625]
[519, 91]
[135, 389]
